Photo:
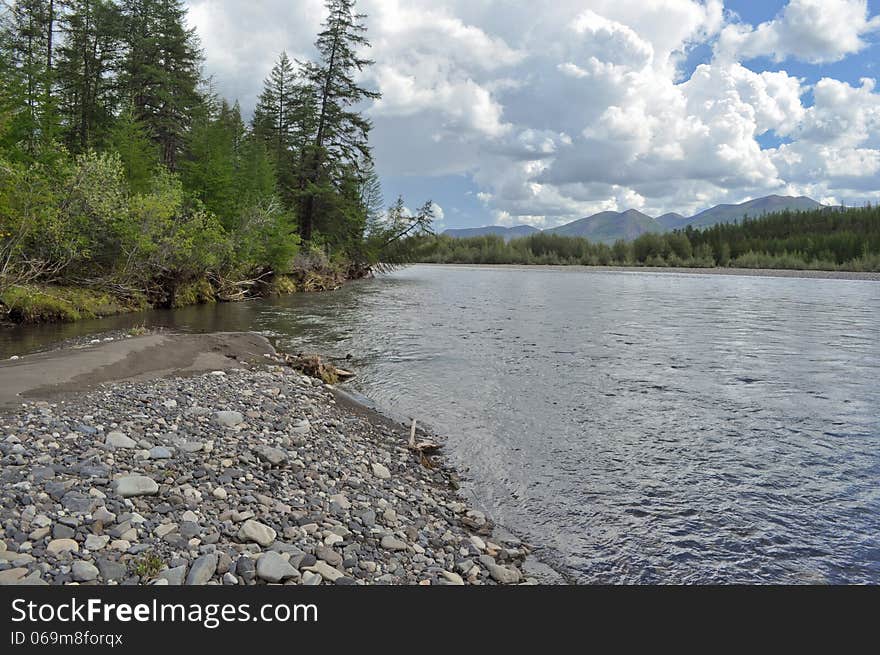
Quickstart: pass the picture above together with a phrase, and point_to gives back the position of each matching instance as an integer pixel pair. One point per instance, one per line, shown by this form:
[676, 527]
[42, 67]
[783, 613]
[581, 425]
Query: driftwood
[315, 367]
[422, 448]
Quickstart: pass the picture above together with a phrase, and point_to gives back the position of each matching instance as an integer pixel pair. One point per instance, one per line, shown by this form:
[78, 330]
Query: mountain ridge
[609, 226]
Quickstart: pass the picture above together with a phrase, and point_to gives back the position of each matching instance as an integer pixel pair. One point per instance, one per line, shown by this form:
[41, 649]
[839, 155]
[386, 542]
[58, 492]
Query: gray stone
[136, 485]
[229, 419]
[452, 578]
[78, 503]
[390, 542]
[246, 568]
[272, 456]
[160, 452]
[104, 516]
[12, 576]
[84, 571]
[504, 574]
[60, 531]
[328, 555]
[326, 571]
[202, 570]
[111, 570]
[175, 576]
[119, 440]
[312, 579]
[188, 529]
[96, 542]
[272, 567]
[59, 546]
[381, 471]
[256, 532]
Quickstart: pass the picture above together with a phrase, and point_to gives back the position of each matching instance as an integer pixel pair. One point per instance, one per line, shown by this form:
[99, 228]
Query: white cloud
[812, 30]
[560, 108]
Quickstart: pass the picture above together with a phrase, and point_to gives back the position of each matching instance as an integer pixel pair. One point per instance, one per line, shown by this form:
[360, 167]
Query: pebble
[229, 419]
[136, 485]
[202, 570]
[256, 532]
[119, 440]
[84, 571]
[381, 471]
[272, 567]
[59, 546]
[301, 494]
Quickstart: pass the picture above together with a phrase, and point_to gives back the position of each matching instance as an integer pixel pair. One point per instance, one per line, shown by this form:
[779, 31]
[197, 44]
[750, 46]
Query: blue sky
[541, 112]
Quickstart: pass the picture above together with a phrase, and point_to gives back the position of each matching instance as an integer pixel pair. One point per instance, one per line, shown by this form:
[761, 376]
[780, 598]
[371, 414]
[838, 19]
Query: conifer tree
[161, 71]
[340, 140]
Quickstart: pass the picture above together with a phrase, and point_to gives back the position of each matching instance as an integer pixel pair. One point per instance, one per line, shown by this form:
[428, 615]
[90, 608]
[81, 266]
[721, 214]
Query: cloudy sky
[544, 111]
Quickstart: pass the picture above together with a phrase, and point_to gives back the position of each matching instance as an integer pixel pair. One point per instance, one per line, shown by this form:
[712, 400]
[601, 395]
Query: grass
[48, 304]
[199, 292]
[148, 566]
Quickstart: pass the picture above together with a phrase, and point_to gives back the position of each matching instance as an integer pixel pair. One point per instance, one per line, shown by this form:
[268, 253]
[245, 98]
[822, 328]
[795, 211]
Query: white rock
[136, 485]
[381, 471]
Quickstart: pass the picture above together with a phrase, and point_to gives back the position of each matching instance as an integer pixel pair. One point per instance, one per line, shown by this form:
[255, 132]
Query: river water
[634, 427]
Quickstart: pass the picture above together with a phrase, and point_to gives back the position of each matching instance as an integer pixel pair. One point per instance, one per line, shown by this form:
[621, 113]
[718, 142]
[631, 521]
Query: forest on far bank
[846, 239]
[125, 176]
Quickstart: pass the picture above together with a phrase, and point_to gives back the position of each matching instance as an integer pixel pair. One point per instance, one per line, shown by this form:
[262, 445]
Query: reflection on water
[636, 427]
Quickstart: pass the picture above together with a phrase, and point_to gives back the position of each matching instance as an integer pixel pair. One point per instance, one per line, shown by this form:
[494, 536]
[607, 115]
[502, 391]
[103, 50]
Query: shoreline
[745, 272]
[227, 468]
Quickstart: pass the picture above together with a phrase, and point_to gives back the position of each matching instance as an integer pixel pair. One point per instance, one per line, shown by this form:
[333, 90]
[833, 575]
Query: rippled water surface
[636, 427]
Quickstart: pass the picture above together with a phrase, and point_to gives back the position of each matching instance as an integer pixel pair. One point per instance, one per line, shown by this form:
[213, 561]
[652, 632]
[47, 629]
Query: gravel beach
[249, 474]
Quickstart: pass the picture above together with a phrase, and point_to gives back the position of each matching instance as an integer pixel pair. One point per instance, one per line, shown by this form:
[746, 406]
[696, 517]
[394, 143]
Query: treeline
[846, 239]
[121, 170]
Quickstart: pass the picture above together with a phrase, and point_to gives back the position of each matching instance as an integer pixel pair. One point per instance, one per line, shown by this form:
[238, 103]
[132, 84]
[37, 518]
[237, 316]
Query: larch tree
[340, 141]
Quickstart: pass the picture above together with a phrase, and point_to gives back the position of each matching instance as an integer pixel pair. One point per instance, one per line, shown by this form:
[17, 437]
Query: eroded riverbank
[236, 475]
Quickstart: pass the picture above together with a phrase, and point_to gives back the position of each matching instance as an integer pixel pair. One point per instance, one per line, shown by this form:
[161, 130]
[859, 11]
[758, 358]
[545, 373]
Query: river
[635, 427]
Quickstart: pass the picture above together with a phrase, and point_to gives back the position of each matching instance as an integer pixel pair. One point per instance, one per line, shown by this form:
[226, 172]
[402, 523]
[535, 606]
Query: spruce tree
[28, 39]
[86, 59]
[340, 139]
[281, 121]
[161, 71]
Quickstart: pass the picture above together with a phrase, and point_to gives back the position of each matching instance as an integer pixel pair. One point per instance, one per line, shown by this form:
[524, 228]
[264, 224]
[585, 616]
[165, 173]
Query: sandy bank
[44, 375]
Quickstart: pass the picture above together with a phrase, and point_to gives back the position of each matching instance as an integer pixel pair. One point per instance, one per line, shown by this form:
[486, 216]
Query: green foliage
[821, 239]
[148, 565]
[139, 155]
[121, 172]
[42, 304]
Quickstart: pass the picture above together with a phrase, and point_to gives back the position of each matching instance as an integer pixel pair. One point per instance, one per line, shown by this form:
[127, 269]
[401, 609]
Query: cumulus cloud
[812, 30]
[556, 109]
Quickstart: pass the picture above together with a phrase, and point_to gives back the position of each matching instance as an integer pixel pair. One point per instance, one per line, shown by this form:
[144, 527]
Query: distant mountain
[670, 221]
[752, 208]
[507, 232]
[608, 227]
